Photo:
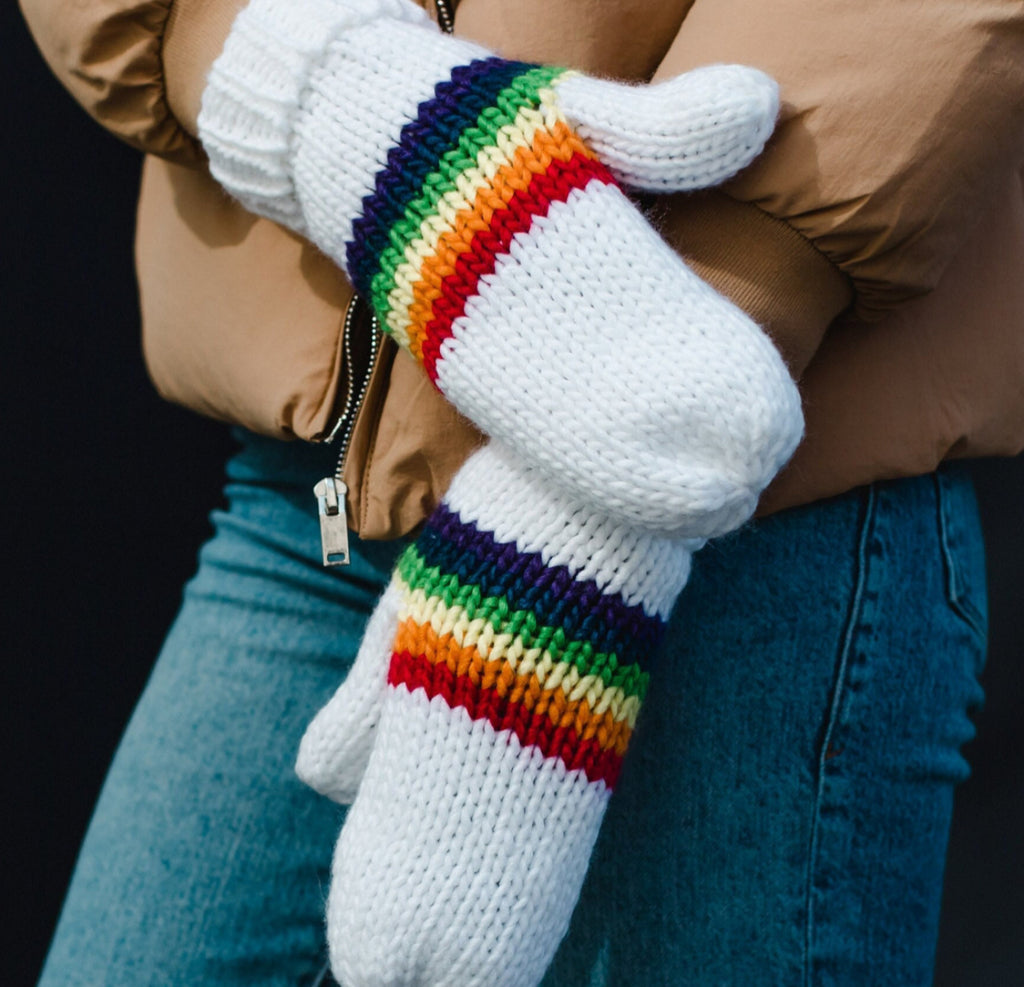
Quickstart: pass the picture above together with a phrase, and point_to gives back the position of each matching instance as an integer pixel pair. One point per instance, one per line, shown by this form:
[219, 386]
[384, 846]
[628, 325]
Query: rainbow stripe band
[552, 738]
[578, 607]
[524, 646]
[457, 105]
[488, 153]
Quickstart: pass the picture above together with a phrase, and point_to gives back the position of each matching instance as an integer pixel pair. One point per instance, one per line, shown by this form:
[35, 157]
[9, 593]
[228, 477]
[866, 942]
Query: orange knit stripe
[559, 143]
[443, 649]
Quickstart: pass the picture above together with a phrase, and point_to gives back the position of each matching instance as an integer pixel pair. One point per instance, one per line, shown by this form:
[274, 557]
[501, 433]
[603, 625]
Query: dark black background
[104, 503]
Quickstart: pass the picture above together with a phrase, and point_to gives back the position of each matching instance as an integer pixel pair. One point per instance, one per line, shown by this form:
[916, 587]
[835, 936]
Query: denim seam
[321, 977]
[955, 584]
[856, 605]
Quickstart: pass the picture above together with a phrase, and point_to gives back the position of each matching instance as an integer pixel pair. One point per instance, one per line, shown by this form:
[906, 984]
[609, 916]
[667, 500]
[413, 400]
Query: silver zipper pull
[330, 498]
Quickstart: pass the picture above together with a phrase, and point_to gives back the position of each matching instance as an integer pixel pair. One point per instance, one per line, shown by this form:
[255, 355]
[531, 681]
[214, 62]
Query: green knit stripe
[448, 589]
[523, 92]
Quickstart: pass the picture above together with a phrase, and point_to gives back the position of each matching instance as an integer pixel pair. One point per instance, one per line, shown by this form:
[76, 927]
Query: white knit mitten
[475, 202]
[506, 694]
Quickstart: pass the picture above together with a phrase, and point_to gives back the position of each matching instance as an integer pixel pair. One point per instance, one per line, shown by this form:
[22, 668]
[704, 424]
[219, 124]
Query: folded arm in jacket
[475, 202]
[857, 186]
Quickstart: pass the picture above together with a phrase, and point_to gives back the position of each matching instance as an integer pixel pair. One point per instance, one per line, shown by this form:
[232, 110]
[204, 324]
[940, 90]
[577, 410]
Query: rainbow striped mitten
[475, 201]
[506, 700]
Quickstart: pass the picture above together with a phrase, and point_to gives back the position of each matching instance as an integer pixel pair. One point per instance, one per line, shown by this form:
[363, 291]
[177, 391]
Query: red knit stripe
[551, 185]
[418, 672]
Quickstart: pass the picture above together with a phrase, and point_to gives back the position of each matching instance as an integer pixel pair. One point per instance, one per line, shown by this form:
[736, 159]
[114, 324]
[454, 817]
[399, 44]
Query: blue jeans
[782, 816]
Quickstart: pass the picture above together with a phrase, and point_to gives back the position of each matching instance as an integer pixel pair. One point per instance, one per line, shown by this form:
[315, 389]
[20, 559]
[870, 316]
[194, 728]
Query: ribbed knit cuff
[255, 89]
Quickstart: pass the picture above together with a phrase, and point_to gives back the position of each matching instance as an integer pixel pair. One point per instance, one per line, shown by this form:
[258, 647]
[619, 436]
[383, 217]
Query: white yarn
[690, 132]
[591, 350]
[629, 394]
[462, 857]
[520, 506]
[337, 744]
[388, 69]
[625, 376]
[254, 93]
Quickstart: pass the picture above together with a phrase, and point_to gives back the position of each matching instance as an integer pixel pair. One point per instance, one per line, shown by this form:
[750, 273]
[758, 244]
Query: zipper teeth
[346, 337]
[445, 16]
[346, 422]
[348, 418]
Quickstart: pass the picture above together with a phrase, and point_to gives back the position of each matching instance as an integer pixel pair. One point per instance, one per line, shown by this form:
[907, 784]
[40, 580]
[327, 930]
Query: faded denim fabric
[784, 808]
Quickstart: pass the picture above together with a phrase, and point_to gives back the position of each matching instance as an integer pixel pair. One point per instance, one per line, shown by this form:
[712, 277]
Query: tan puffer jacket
[880, 238]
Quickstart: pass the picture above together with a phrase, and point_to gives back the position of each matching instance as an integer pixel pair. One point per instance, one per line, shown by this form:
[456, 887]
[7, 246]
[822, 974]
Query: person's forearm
[898, 121]
[613, 45]
[477, 204]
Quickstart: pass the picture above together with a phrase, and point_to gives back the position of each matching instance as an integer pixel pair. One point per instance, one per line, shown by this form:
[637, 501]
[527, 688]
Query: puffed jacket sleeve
[901, 124]
[109, 56]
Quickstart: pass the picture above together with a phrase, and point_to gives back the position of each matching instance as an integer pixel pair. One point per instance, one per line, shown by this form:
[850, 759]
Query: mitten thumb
[336, 746]
[690, 132]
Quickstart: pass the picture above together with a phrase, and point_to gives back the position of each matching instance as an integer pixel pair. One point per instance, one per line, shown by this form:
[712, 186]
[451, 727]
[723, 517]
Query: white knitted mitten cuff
[255, 91]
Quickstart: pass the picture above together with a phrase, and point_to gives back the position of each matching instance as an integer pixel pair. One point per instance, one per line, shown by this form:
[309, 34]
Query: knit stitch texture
[514, 680]
[498, 248]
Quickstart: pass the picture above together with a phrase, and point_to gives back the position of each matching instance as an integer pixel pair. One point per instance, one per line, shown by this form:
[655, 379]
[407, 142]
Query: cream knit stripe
[367, 88]
[278, 52]
[491, 646]
[498, 494]
[462, 857]
[588, 346]
[489, 161]
[461, 860]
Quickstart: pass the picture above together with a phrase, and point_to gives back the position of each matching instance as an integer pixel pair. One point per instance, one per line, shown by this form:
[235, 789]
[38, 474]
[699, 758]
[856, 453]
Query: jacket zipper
[445, 16]
[330, 492]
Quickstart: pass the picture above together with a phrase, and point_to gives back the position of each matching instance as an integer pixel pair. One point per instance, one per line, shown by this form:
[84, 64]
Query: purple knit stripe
[440, 122]
[459, 547]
